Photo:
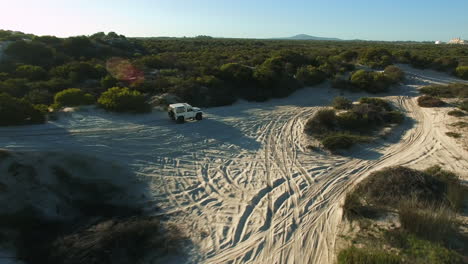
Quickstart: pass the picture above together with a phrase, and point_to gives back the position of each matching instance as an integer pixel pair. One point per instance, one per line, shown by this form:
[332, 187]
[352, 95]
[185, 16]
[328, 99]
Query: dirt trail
[242, 181]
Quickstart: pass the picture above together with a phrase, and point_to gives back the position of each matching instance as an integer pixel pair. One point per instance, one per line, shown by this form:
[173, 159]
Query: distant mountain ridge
[309, 37]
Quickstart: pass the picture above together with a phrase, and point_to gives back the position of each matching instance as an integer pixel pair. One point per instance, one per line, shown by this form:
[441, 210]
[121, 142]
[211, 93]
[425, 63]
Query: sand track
[242, 181]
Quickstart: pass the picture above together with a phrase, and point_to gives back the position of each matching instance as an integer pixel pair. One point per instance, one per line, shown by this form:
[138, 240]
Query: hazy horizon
[361, 19]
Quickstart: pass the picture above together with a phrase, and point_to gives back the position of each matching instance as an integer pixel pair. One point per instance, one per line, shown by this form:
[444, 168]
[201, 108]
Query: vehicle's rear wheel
[199, 116]
[180, 120]
[171, 115]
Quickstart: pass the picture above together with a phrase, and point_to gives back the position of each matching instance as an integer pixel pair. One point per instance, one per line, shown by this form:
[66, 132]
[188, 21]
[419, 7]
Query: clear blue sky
[346, 19]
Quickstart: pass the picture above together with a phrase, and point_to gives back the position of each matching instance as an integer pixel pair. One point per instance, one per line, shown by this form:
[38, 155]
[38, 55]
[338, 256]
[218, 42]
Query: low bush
[456, 113]
[14, 111]
[394, 74]
[73, 97]
[462, 72]
[463, 105]
[376, 57]
[30, 72]
[452, 90]
[455, 191]
[377, 102]
[115, 241]
[453, 134]
[352, 120]
[342, 83]
[389, 186]
[394, 117]
[349, 127]
[372, 82]
[342, 141]
[310, 75]
[428, 221]
[460, 124]
[123, 100]
[342, 103]
[355, 255]
[322, 122]
[417, 250]
[429, 101]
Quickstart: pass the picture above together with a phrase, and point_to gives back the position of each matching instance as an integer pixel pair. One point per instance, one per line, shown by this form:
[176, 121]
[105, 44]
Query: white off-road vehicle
[183, 111]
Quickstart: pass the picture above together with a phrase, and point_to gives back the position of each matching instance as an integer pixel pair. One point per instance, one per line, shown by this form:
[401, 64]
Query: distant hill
[309, 37]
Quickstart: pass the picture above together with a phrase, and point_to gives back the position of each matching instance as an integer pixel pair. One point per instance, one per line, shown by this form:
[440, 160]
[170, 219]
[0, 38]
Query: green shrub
[355, 255]
[463, 105]
[462, 72]
[445, 64]
[310, 75]
[236, 73]
[130, 240]
[389, 186]
[435, 223]
[108, 82]
[376, 57]
[394, 74]
[372, 82]
[456, 113]
[123, 100]
[417, 250]
[452, 90]
[362, 79]
[322, 122]
[351, 120]
[30, 72]
[342, 83]
[38, 96]
[455, 191]
[429, 101]
[394, 117]
[342, 103]
[453, 134]
[73, 97]
[460, 124]
[44, 109]
[353, 207]
[341, 141]
[384, 104]
[15, 111]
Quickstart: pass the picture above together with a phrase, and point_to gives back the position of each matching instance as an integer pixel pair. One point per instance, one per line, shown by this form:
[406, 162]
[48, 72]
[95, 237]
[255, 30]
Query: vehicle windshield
[180, 109]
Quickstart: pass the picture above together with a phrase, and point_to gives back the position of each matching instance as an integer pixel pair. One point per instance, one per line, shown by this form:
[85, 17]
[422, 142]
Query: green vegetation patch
[119, 99]
[430, 101]
[453, 90]
[342, 103]
[462, 72]
[463, 105]
[426, 202]
[354, 125]
[73, 97]
[342, 140]
[417, 250]
[15, 111]
[456, 113]
[460, 124]
[355, 255]
[453, 134]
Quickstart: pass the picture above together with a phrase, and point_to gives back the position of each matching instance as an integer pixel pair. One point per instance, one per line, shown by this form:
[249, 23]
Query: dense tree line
[205, 71]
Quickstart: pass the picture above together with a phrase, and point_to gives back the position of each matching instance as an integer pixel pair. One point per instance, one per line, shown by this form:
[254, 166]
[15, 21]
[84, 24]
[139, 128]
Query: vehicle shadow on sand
[208, 130]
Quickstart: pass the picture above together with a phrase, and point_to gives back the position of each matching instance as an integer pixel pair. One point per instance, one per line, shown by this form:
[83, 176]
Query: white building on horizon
[458, 41]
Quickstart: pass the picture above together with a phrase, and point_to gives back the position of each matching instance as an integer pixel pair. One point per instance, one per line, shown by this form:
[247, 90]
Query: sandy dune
[242, 181]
